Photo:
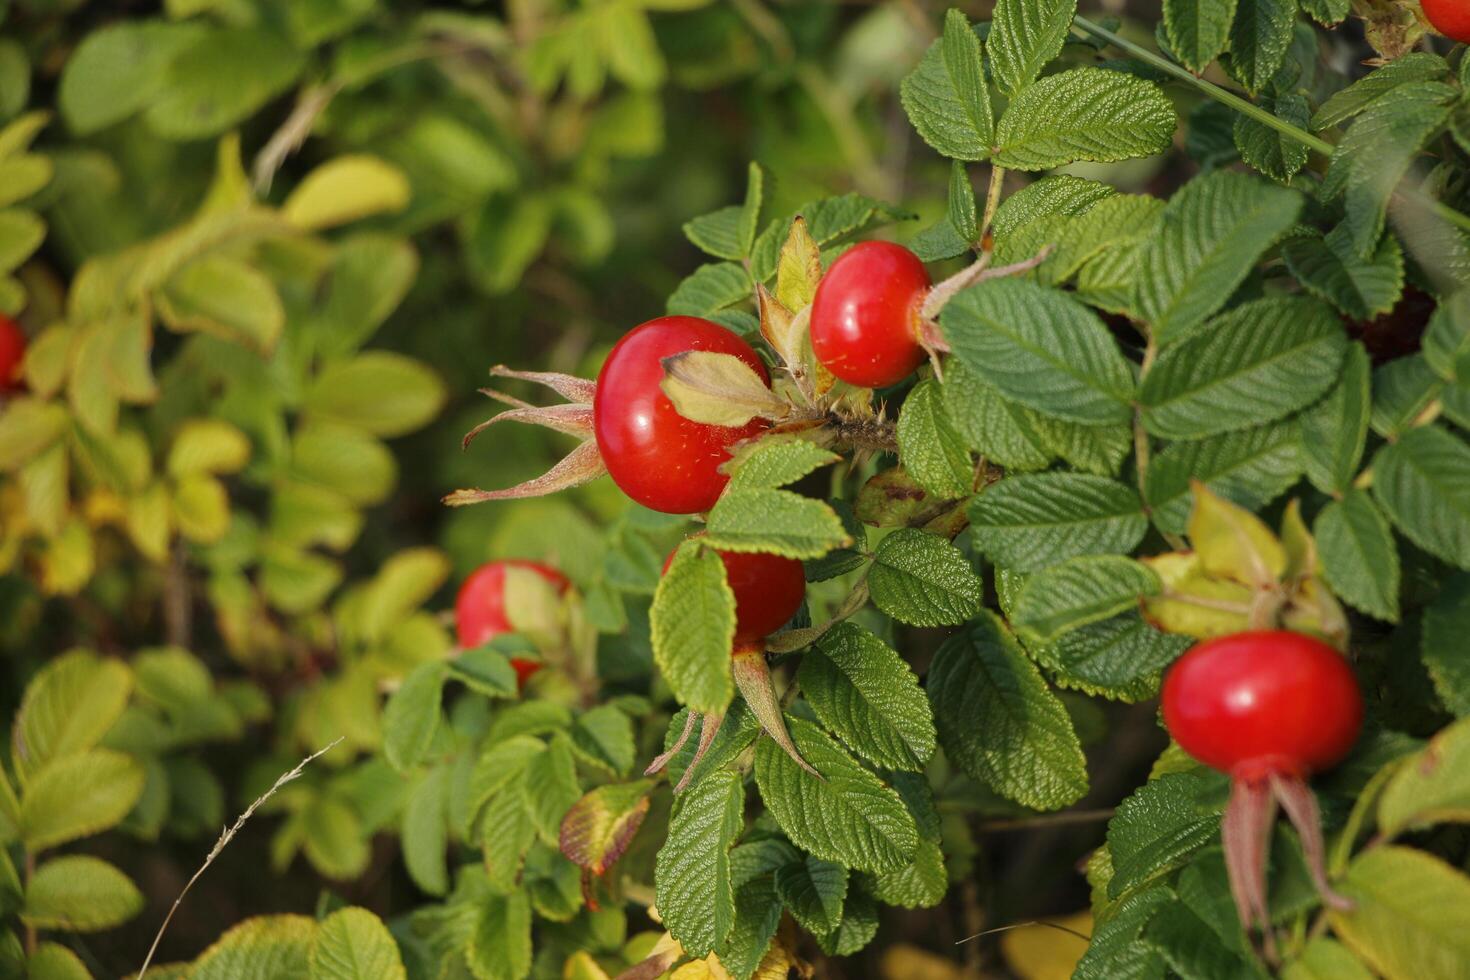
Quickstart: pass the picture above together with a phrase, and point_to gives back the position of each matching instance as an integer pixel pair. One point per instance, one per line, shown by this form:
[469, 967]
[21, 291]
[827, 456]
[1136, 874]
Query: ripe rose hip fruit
[1450, 17]
[768, 591]
[479, 608]
[655, 455]
[865, 317]
[12, 352]
[1270, 708]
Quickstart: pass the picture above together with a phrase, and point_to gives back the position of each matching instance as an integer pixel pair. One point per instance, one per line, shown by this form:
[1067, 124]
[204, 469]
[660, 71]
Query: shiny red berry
[655, 455]
[865, 317]
[768, 592]
[12, 352]
[1450, 17]
[1261, 703]
[479, 608]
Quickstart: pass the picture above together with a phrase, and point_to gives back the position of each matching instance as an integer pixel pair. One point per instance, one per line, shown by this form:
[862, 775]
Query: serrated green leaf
[718, 233]
[1447, 338]
[695, 894]
[993, 426]
[1416, 66]
[1249, 468]
[1260, 36]
[67, 708]
[921, 884]
[1446, 622]
[1080, 591]
[425, 832]
[859, 925]
[353, 944]
[1406, 920]
[932, 451]
[946, 97]
[1121, 658]
[1335, 430]
[1332, 270]
[1254, 364]
[1025, 748]
[1024, 36]
[1189, 946]
[1083, 114]
[1431, 786]
[500, 941]
[774, 462]
[847, 816]
[1053, 194]
[1272, 152]
[79, 893]
[1198, 30]
[1041, 348]
[814, 890]
[1096, 449]
[119, 69]
[1325, 959]
[1161, 825]
[600, 826]
[78, 795]
[1116, 953]
[961, 211]
[1116, 222]
[1031, 521]
[1423, 482]
[692, 623]
[549, 788]
[710, 288]
[867, 696]
[605, 736]
[411, 716]
[1209, 238]
[266, 947]
[923, 580]
[1359, 557]
[776, 521]
[385, 393]
[218, 78]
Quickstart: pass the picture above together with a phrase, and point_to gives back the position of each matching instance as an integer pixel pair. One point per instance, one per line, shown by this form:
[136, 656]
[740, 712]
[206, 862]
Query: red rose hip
[768, 591]
[480, 614]
[12, 352]
[656, 456]
[1450, 17]
[865, 317]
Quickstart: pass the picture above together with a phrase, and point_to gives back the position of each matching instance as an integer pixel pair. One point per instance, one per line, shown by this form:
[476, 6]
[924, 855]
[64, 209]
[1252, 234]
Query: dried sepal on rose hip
[1269, 708]
[486, 607]
[768, 591]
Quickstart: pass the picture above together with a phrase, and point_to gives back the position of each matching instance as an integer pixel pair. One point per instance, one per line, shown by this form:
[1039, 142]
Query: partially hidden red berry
[479, 608]
[12, 352]
[865, 316]
[768, 592]
[1450, 17]
[656, 456]
[1263, 702]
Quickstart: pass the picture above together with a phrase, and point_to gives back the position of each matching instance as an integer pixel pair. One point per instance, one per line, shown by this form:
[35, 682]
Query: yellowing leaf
[1044, 952]
[1192, 603]
[799, 268]
[1233, 542]
[346, 189]
[718, 389]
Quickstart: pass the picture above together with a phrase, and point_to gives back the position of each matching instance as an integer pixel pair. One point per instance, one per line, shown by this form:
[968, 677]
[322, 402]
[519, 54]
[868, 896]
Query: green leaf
[604, 735]
[29, 427]
[757, 916]
[1210, 236]
[710, 288]
[1116, 951]
[1423, 482]
[750, 211]
[946, 97]
[369, 277]
[814, 890]
[1335, 430]
[425, 833]
[1198, 30]
[80, 893]
[932, 451]
[1430, 787]
[867, 695]
[718, 233]
[78, 795]
[993, 426]
[1028, 522]
[486, 670]
[859, 925]
[1121, 658]
[504, 236]
[692, 876]
[226, 298]
[497, 771]
[218, 78]
[1054, 194]
[266, 947]
[960, 201]
[67, 708]
[1041, 348]
[775, 462]
[1083, 114]
[1272, 152]
[1359, 557]
[1024, 36]
[347, 188]
[1189, 946]
[1254, 364]
[411, 716]
[1165, 821]
[550, 787]
[1445, 625]
[692, 623]
[1403, 390]
[1080, 591]
[1111, 224]
[776, 521]
[353, 944]
[1249, 468]
[1000, 723]
[923, 580]
[333, 838]
[52, 961]
[1332, 270]
[1325, 959]
[1407, 917]
[735, 734]
[119, 69]
[500, 941]
[847, 816]
[384, 393]
[1259, 39]
[921, 884]
[21, 233]
[1447, 338]
[1416, 66]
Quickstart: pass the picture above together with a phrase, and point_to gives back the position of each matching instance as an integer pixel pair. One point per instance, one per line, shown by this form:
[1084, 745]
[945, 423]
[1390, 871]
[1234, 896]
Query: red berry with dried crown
[656, 456]
[1270, 708]
[480, 613]
[12, 352]
[865, 321]
[1450, 17]
[768, 591]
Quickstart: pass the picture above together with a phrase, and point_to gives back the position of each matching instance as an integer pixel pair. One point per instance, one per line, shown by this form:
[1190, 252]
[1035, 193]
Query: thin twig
[227, 836]
[1048, 820]
[1021, 925]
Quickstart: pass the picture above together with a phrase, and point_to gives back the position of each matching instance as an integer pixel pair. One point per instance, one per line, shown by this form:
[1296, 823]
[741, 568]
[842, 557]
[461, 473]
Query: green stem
[1245, 107]
[992, 198]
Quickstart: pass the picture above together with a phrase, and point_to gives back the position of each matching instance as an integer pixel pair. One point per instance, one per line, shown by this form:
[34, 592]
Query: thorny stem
[1226, 97]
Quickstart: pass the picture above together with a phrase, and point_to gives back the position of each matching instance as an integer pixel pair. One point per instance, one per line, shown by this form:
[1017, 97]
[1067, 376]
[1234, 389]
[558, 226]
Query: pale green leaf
[775, 521]
[1407, 920]
[384, 393]
[353, 944]
[412, 716]
[218, 78]
[78, 795]
[693, 629]
[267, 947]
[79, 893]
[1430, 787]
